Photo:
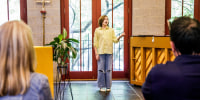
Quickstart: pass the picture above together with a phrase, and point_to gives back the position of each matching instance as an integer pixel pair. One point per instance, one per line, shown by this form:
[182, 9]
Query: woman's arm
[122, 35]
[96, 45]
[96, 53]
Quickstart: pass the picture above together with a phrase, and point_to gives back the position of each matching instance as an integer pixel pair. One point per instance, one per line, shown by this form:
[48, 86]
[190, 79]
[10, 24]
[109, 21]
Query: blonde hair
[17, 58]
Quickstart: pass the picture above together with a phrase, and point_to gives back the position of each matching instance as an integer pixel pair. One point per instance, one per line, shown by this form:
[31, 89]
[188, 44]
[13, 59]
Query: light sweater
[103, 40]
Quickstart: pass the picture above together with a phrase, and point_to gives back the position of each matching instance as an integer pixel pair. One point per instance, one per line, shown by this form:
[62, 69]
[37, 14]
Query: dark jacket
[177, 80]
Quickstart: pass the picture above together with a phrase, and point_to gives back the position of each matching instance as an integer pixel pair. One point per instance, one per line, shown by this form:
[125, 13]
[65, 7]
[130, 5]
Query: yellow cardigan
[103, 40]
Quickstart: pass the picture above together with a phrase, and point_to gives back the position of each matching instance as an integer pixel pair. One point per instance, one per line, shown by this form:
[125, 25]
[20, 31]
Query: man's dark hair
[185, 33]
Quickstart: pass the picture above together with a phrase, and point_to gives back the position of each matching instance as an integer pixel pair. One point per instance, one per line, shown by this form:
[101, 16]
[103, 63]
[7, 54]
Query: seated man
[179, 79]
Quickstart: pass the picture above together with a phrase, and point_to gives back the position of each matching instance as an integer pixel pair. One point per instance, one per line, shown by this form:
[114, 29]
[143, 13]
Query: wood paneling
[145, 53]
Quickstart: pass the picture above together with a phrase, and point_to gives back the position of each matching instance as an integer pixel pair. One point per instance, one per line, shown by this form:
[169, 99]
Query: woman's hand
[123, 34]
[97, 57]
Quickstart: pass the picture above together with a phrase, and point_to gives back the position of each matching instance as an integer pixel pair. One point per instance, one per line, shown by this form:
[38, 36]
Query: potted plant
[63, 48]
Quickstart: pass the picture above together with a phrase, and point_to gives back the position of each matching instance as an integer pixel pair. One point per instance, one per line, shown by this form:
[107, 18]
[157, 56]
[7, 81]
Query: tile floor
[88, 90]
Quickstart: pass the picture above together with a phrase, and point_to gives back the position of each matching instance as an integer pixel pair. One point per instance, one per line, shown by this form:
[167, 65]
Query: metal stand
[43, 21]
[60, 91]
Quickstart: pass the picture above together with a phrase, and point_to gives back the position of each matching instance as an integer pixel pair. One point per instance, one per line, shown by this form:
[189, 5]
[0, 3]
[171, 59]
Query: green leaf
[64, 33]
[56, 39]
[74, 54]
[60, 36]
[63, 48]
[72, 40]
[69, 44]
[54, 46]
[52, 43]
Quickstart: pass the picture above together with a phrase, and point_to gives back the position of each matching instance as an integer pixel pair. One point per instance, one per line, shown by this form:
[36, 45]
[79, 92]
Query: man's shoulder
[161, 68]
[170, 70]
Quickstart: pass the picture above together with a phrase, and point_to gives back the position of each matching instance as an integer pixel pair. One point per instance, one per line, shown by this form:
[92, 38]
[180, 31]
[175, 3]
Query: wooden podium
[44, 56]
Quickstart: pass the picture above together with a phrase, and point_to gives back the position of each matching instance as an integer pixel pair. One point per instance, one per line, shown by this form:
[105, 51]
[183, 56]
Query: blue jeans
[104, 79]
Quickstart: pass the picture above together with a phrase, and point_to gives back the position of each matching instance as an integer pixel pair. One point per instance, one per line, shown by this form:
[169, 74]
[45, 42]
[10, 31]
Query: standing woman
[104, 37]
[18, 81]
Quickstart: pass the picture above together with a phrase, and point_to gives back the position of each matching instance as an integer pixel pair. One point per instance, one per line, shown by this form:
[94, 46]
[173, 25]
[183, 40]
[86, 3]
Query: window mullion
[8, 8]
[112, 13]
[182, 6]
[80, 41]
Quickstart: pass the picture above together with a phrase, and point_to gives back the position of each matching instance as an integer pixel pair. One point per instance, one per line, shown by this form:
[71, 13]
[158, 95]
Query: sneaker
[108, 89]
[102, 89]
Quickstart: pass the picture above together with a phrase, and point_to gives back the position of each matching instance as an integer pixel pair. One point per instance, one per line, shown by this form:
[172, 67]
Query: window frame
[23, 10]
[96, 13]
[168, 13]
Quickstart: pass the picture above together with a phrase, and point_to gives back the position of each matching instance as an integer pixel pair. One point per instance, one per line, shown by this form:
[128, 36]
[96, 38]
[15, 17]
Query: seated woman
[18, 81]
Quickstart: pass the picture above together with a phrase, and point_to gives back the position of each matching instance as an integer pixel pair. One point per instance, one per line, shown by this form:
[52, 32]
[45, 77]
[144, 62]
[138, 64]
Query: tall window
[182, 8]
[81, 29]
[80, 18]
[177, 8]
[114, 9]
[80, 12]
[9, 10]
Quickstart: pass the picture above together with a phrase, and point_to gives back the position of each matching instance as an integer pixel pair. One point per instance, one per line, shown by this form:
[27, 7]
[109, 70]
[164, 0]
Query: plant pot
[62, 72]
